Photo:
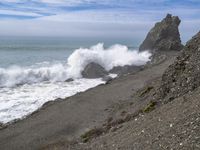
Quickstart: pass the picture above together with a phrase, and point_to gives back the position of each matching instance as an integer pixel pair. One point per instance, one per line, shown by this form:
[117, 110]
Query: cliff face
[164, 36]
[183, 75]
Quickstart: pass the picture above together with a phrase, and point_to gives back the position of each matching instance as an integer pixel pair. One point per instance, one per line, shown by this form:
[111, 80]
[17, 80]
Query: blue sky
[110, 18]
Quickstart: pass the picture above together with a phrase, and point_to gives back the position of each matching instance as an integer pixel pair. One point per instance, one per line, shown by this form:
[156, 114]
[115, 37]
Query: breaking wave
[116, 55]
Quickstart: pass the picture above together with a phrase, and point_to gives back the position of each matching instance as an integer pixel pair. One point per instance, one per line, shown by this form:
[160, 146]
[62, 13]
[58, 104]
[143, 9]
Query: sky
[94, 18]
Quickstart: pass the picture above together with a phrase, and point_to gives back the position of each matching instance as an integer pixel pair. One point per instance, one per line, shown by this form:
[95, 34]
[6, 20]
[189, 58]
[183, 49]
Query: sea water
[34, 70]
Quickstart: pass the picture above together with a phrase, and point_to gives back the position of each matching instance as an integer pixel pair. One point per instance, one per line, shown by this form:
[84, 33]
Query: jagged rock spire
[164, 36]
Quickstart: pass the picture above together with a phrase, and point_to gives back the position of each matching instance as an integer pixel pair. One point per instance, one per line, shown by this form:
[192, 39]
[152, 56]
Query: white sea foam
[117, 55]
[20, 101]
[15, 75]
[25, 89]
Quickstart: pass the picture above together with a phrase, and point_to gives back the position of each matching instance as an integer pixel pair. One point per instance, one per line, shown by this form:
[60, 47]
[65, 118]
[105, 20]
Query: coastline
[67, 119]
[46, 104]
[99, 75]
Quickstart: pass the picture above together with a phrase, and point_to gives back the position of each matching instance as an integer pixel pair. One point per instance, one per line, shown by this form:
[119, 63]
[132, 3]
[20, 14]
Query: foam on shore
[23, 90]
[117, 55]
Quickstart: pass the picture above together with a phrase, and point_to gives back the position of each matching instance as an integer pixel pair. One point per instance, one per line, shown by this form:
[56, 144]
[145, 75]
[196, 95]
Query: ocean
[34, 70]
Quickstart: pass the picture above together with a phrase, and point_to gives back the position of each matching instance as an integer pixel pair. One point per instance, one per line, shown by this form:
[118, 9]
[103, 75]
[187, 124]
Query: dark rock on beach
[156, 125]
[164, 36]
[184, 75]
[125, 69]
[69, 80]
[107, 79]
[94, 70]
[125, 114]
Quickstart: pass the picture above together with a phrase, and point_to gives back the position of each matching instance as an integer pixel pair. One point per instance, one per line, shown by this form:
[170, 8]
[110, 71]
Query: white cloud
[69, 2]
[20, 13]
[94, 16]
[75, 2]
[132, 30]
[11, 1]
[120, 15]
[74, 29]
[124, 18]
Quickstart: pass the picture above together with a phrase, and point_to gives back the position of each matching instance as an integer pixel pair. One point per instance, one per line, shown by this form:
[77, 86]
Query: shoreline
[37, 101]
[46, 104]
[70, 117]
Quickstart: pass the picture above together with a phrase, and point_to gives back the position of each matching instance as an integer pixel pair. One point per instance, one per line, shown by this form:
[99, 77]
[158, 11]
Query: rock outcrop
[125, 69]
[164, 36]
[183, 75]
[94, 70]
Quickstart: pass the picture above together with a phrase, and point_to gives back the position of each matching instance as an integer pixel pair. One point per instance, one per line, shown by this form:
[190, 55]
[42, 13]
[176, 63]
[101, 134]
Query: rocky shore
[153, 108]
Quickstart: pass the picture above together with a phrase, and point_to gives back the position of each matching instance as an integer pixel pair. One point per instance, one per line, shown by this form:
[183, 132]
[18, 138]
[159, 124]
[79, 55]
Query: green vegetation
[150, 107]
[91, 134]
[145, 91]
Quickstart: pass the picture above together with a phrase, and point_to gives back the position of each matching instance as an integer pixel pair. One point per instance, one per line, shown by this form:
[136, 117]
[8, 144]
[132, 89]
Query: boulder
[125, 69]
[94, 70]
[164, 36]
[69, 80]
[107, 79]
[183, 75]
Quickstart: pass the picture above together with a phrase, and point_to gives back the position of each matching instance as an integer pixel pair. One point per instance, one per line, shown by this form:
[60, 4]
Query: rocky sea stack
[164, 36]
[183, 75]
[151, 107]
